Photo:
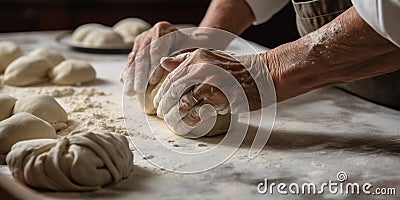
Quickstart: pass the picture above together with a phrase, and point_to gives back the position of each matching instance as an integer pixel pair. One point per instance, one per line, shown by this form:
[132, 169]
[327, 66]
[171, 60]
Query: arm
[344, 50]
[234, 16]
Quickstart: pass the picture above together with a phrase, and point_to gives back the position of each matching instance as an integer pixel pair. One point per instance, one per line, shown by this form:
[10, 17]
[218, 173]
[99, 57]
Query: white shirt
[382, 15]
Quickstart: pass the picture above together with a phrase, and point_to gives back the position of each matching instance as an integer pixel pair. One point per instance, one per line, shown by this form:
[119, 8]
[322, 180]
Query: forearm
[234, 16]
[343, 50]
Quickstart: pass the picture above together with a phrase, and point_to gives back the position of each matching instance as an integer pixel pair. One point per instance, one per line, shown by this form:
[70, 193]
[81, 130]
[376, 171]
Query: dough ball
[130, 28]
[27, 70]
[53, 56]
[45, 107]
[81, 32]
[7, 103]
[23, 126]
[9, 51]
[103, 38]
[82, 161]
[72, 72]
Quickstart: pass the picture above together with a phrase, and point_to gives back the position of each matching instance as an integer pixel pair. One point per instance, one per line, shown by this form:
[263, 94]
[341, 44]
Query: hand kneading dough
[27, 70]
[7, 103]
[9, 51]
[51, 55]
[103, 38]
[45, 107]
[130, 28]
[72, 72]
[80, 33]
[22, 126]
[222, 122]
[82, 161]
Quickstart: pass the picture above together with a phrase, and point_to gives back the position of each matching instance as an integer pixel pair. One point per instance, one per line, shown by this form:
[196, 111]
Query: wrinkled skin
[176, 108]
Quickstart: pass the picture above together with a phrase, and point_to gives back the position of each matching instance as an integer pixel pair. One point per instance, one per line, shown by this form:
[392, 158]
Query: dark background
[37, 15]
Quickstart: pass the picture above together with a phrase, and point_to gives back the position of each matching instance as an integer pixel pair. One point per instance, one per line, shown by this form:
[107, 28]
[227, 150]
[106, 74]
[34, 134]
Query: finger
[124, 73]
[198, 114]
[188, 101]
[173, 119]
[167, 85]
[142, 68]
[212, 96]
[129, 82]
[160, 47]
[156, 76]
[171, 63]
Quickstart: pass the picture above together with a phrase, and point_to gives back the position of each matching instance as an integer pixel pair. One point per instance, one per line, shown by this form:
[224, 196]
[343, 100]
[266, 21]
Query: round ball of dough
[7, 103]
[23, 126]
[45, 107]
[103, 38]
[9, 51]
[80, 33]
[51, 55]
[72, 72]
[83, 161]
[27, 70]
[130, 28]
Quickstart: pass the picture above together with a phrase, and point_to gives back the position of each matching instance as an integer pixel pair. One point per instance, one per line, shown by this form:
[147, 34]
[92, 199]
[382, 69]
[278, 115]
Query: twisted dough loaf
[81, 161]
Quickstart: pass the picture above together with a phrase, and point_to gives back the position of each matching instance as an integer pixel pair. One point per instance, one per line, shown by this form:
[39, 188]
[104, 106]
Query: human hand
[204, 83]
[148, 49]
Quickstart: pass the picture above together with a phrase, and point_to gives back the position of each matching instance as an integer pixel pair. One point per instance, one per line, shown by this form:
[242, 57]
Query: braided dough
[81, 161]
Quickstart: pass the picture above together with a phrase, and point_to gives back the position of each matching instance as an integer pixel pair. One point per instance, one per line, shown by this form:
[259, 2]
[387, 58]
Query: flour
[88, 108]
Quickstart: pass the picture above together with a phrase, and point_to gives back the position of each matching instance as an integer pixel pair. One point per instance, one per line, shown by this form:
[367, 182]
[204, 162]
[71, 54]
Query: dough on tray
[45, 107]
[27, 70]
[53, 56]
[103, 38]
[7, 103]
[81, 32]
[130, 28]
[22, 126]
[9, 51]
[81, 161]
[72, 72]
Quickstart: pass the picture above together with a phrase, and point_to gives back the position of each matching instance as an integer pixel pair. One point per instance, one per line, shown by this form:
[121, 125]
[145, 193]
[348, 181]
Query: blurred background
[39, 15]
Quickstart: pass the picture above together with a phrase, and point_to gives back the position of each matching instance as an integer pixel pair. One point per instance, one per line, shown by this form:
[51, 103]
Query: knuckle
[162, 24]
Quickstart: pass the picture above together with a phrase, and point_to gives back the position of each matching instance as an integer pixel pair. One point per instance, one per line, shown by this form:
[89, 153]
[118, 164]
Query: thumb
[170, 63]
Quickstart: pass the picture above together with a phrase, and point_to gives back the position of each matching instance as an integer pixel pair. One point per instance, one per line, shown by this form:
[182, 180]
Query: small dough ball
[82, 161]
[27, 70]
[72, 72]
[9, 51]
[130, 28]
[23, 126]
[81, 32]
[103, 38]
[53, 56]
[7, 103]
[45, 107]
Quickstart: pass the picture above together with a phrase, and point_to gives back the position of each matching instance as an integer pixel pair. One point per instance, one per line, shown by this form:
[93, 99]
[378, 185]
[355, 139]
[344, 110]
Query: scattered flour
[88, 108]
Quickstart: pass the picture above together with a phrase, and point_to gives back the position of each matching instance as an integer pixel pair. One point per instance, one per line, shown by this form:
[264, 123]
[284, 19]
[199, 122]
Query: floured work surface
[314, 137]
